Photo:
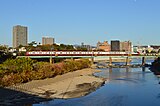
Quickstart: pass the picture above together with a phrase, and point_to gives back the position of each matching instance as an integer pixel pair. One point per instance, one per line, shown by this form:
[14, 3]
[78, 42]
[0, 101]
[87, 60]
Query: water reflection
[143, 69]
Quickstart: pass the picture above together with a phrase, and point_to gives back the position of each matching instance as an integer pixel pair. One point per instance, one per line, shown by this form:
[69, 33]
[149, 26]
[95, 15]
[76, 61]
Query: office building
[126, 46]
[88, 47]
[105, 46]
[20, 36]
[47, 41]
[115, 45]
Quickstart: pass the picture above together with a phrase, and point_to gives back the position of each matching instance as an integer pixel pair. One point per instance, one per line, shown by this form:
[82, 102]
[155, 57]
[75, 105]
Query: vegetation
[4, 56]
[21, 70]
[61, 47]
[3, 48]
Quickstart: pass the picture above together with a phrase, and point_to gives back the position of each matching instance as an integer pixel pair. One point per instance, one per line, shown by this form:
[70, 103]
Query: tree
[159, 51]
[147, 51]
[4, 56]
[32, 43]
[20, 46]
[81, 48]
[66, 47]
[153, 51]
[3, 48]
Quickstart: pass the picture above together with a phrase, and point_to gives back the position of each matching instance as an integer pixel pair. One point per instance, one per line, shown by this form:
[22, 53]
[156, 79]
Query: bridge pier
[110, 61]
[51, 60]
[72, 58]
[92, 60]
[127, 61]
[143, 61]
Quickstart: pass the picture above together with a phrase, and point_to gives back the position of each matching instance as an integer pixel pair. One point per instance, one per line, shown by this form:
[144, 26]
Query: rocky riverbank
[70, 85]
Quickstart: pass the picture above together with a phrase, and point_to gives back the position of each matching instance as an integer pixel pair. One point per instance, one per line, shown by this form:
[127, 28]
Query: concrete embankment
[70, 85]
[108, 59]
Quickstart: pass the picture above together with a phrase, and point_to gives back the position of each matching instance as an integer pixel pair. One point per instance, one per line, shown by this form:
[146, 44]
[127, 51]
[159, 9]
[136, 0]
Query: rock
[83, 89]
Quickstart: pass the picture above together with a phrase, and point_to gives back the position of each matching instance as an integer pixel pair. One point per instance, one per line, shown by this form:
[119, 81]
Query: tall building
[115, 45]
[104, 46]
[20, 36]
[126, 46]
[88, 47]
[47, 41]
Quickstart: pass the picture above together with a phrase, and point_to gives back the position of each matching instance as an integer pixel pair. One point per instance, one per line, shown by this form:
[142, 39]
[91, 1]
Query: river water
[124, 87]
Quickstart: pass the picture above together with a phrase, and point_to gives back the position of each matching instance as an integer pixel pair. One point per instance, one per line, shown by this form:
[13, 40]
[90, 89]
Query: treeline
[61, 47]
[21, 70]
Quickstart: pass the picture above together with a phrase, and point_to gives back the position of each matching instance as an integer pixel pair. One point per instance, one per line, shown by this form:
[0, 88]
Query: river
[124, 87]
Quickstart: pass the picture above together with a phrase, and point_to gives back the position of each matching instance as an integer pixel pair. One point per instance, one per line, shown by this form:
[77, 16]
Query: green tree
[3, 48]
[18, 65]
[147, 51]
[32, 43]
[153, 51]
[81, 49]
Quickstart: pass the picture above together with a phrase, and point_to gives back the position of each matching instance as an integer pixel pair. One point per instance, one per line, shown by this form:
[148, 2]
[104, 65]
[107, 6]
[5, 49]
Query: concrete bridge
[96, 58]
[93, 56]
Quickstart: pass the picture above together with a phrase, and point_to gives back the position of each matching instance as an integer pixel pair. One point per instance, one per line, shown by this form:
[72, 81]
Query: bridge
[93, 55]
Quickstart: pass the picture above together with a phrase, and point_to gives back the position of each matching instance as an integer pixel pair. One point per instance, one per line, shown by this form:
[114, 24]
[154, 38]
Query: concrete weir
[112, 59]
[109, 62]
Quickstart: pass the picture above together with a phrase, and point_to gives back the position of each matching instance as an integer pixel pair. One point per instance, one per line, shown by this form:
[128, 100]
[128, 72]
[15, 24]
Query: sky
[77, 21]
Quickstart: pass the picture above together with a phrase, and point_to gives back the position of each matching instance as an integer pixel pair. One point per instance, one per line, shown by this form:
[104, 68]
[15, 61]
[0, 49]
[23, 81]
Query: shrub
[59, 68]
[43, 70]
[18, 65]
[7, 80]
[23, 70]
[77, 65]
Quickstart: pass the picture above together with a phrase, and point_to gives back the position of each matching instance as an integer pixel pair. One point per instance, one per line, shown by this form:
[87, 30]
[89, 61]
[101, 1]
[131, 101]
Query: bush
[77, 65]
[59, 68]
[43, 70]
[10, 79]
[18, 65]
[23, 70]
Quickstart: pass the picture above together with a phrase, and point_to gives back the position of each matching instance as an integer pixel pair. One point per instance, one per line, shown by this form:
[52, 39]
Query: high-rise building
[88, 47]
[47, 41]
[126, 46]
[104, 46]
[115, 45]
[20, 36]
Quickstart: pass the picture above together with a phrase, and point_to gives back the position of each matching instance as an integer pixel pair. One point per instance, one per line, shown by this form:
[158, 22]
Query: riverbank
[69, 85]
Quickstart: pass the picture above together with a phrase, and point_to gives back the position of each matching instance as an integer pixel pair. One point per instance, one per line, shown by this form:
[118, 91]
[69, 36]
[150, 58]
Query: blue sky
[88, 21]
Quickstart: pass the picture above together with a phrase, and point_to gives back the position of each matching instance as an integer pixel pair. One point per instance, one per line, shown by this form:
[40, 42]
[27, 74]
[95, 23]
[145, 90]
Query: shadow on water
[10, 97]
